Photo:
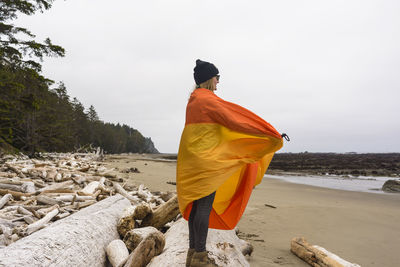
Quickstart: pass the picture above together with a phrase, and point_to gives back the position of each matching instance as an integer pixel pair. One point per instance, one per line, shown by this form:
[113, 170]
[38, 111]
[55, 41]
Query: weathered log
[117, 253]
[51, 175]
[62, 215]
[133, 238]
[28, 187]
[4, 200]
[42, 222]
[56, 186]
[47, 200]
[7, 233]
[69, 198]
[8, 174]
[118, 188]
[317, 256]
[78, 240]
[223, 246]
[29, 219]
[24, 211]
[10, 181]
[12, 187]
[16, 170]
[90, 188]
[16, 195]
[151, 246]
[128, 219]
[163, 214]
[143, 194]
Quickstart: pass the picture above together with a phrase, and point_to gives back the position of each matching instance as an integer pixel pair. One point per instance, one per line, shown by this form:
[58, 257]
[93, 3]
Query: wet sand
[362, 228]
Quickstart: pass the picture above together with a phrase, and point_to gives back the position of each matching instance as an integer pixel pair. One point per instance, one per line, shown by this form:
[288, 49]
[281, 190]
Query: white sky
[324, 72]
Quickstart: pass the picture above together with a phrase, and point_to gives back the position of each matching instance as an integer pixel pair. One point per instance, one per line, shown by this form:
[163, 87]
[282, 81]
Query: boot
[201, 259]
[189, 256]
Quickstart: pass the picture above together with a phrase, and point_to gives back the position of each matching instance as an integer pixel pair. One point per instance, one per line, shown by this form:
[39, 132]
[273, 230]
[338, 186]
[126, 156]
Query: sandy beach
[360, 227]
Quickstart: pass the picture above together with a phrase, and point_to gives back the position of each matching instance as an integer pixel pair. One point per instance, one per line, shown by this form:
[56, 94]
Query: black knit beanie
[204, 71]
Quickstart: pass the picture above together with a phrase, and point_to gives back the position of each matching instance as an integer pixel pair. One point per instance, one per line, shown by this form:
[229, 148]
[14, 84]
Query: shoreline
[360, 227]
[367, 184]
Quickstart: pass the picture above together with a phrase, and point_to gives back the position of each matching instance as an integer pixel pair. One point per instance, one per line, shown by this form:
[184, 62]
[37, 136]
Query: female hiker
[224, 152]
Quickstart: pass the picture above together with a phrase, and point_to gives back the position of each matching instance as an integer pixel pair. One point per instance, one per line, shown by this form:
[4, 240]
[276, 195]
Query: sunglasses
[217, 76]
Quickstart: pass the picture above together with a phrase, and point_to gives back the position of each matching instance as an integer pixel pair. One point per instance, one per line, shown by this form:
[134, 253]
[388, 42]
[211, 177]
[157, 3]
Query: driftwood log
[163, 214]
[78, 240]
[151, 245]
[317, 256]
[133, 238]
[5, 199]
[42, 222]
[118, 188]
[117, 253]
[128, 219]
[223, 245]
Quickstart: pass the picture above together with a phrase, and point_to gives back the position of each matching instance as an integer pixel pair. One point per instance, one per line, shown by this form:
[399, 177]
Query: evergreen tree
[34, 117]
[13, 47]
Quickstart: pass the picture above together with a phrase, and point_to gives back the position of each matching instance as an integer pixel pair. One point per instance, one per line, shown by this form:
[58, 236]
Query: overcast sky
[327, 73]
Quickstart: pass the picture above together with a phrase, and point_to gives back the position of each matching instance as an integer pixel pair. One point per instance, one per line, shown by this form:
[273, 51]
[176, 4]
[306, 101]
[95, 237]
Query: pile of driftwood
[140, 228]
[35, 193]
[70, 210]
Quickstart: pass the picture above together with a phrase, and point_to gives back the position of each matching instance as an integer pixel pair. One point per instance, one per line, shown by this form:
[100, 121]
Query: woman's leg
[200, 221]
[191, 227]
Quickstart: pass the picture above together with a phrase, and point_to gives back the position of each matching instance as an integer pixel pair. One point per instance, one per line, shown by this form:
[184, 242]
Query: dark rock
[392, 186]
[131, 170]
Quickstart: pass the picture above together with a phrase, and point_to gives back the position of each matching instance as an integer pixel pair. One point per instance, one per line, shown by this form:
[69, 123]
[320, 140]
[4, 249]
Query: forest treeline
[35, 113]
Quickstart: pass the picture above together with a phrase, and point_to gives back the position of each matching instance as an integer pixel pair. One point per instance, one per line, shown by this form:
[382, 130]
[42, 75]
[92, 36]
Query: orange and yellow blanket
[224, 148]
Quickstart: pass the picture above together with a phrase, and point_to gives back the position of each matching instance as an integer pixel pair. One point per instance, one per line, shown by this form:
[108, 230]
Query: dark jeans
[198, 222]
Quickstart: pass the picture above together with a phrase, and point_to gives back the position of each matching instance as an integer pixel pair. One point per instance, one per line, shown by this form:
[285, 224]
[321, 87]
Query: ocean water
[361, 184]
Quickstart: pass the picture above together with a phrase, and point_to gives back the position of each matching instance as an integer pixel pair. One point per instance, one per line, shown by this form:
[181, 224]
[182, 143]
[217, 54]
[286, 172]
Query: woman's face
[215, 80]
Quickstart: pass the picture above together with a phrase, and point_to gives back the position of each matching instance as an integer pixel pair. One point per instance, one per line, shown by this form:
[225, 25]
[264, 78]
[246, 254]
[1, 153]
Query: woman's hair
[209, 84]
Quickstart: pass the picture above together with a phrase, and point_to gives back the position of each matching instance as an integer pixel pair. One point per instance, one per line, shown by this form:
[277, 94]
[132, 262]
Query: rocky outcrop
[149, 146]
[391, 186]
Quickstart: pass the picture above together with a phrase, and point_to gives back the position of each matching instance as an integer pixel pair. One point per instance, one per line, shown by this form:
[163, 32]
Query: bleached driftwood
[223, 246]
[118, 188]
[133, 238]
[163, 214]
[73, 197]
[90, 188]
[16, 195]
[117, 253]
[143, 194]
[56, 186]
[78, 240]
[28, 187]
[47, 200]
[5, 199]
[22, 210]
[151, 246]
[317, 256]
[41, 223]
[128, 219]
[12, 187]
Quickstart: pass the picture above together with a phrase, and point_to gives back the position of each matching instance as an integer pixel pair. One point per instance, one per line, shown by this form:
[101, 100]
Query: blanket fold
[224, 148]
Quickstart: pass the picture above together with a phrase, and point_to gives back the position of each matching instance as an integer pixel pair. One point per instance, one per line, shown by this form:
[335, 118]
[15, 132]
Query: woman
[224, 152]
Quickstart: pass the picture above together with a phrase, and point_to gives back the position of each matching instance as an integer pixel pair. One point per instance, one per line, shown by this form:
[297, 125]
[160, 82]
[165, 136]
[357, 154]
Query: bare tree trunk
[78, 240]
